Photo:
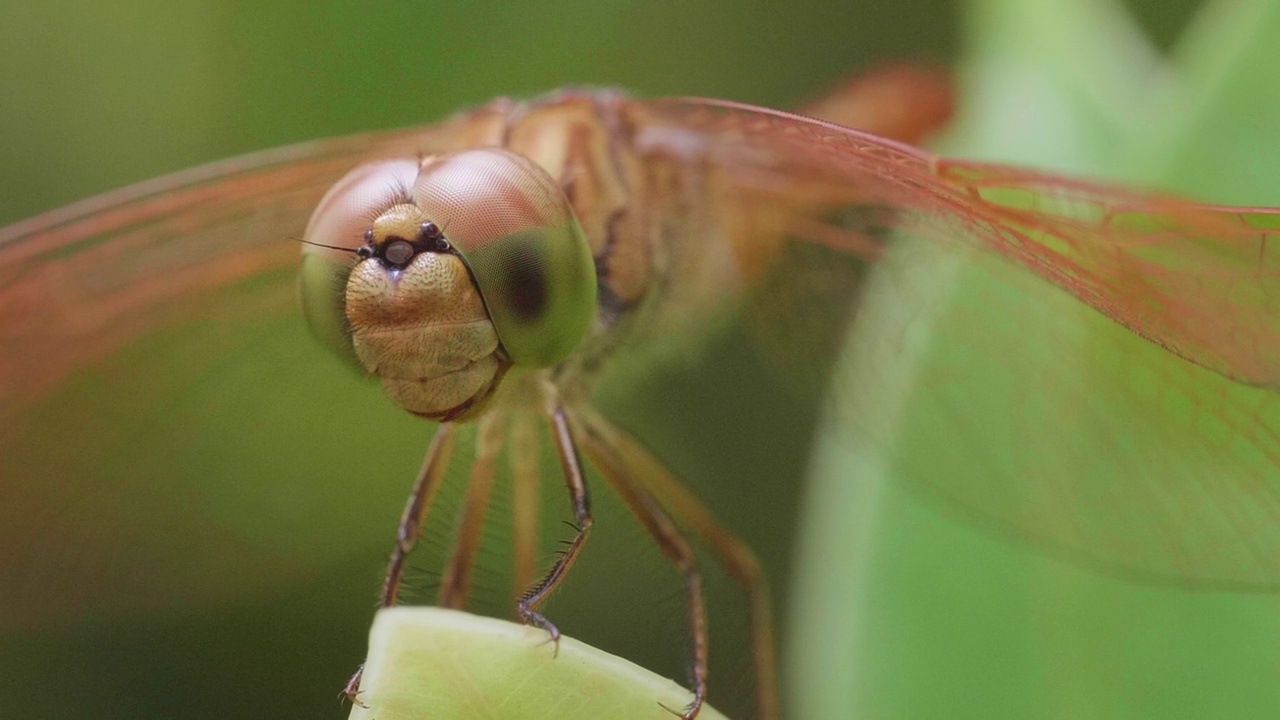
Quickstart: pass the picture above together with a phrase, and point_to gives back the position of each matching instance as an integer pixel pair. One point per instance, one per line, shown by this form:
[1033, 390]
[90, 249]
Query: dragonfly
[487, 269]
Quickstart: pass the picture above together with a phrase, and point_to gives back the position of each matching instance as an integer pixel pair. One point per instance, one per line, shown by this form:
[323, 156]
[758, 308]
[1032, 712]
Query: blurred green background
[97, 95]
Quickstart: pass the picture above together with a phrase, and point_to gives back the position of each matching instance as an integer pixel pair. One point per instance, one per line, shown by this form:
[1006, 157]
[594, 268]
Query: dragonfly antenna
[331, 247]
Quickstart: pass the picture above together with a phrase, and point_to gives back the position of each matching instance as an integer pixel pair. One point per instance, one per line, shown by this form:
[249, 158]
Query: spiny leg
[576, 482]
[650, 514]
[524, 499]
[738, 561]
[456, 583]
[411, 520]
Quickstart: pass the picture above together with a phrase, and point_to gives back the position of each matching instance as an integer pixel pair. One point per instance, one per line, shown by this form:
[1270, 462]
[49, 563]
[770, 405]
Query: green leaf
[1039, 84]
[433, 663]
[966, 370]
[1218, 142]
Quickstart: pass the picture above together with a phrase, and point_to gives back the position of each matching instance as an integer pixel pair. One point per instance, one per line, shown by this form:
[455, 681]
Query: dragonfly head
[439, 275]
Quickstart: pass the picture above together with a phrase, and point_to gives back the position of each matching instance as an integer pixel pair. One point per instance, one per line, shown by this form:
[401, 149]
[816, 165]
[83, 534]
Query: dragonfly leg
[524, 501]
[651, 515]
[456, 583]
[576, 481]
[415, 513]
[738, 561]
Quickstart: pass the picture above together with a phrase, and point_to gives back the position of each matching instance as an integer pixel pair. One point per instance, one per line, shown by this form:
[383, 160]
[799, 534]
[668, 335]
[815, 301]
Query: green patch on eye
[322, 291]
[540, 289]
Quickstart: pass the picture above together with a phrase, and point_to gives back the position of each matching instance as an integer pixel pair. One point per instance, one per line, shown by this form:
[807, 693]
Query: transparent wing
[135, 325]
[975, 368]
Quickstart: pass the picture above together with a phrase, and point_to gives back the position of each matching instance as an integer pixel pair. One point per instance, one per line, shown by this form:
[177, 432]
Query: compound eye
[338, 237]
[514, 227]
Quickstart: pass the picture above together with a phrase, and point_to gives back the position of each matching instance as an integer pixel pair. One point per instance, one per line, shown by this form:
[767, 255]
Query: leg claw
[537, 619]
[689, 713]
[352, 691]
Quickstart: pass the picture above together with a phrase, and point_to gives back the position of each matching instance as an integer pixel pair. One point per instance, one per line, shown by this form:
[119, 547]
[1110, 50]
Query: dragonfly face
[440, 275]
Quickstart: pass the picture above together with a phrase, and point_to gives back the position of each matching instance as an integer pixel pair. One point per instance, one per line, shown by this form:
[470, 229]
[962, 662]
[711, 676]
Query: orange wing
[998, 395]
[1199, 280]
